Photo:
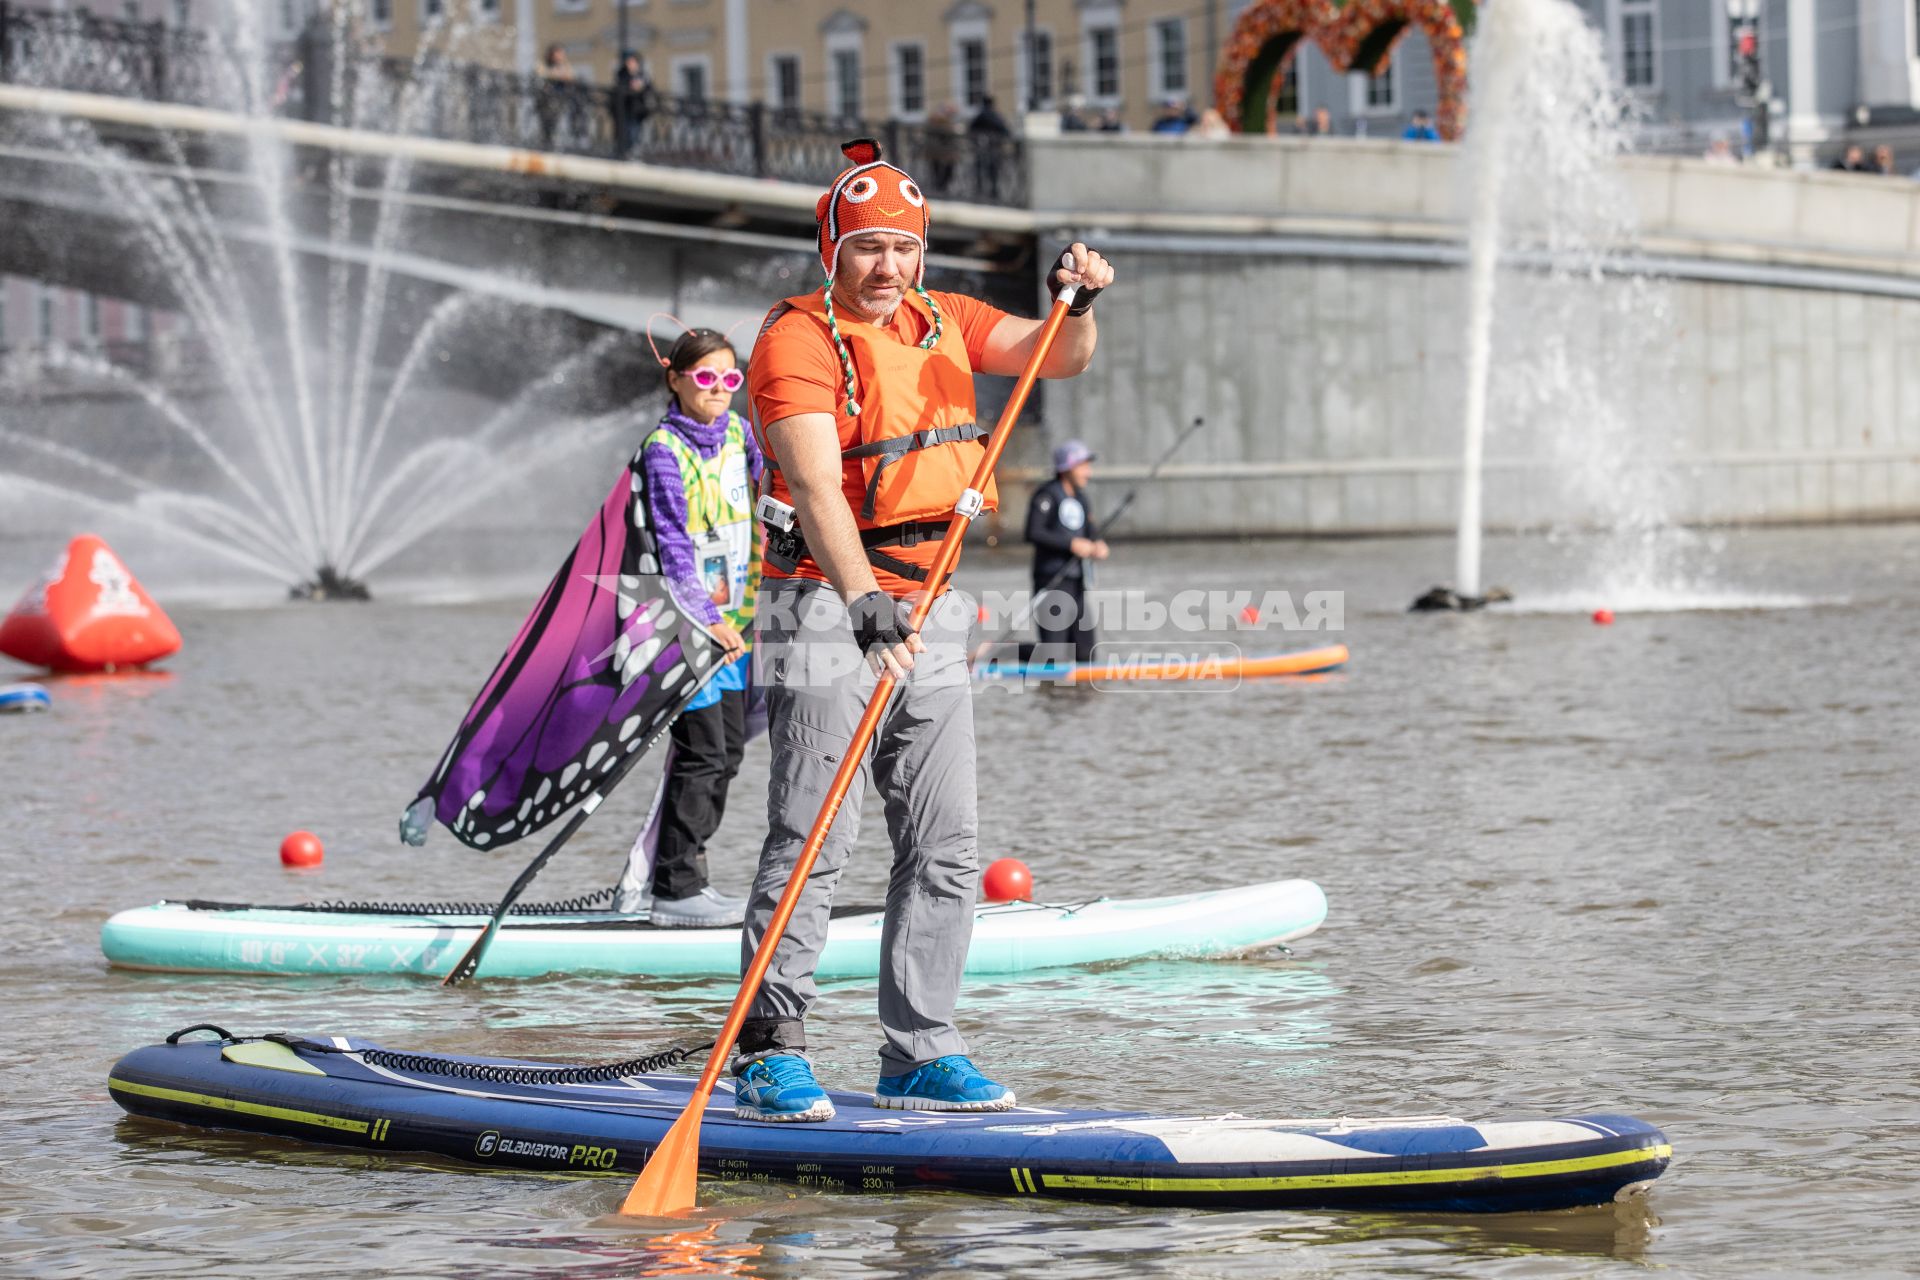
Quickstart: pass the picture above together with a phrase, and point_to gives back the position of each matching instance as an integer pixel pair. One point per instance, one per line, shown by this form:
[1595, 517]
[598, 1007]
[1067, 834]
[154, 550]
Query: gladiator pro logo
[490, 1144]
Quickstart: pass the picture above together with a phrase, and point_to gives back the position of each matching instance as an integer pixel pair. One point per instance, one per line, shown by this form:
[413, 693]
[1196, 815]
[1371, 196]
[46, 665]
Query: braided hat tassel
[840, 346]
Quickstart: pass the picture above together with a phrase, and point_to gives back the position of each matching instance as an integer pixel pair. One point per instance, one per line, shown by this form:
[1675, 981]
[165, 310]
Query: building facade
[1832, 71]
[1833, 68]
[872, 59]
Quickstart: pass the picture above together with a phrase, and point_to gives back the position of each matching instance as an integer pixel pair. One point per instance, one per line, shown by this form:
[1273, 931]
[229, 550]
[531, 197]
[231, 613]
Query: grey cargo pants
[817, 685]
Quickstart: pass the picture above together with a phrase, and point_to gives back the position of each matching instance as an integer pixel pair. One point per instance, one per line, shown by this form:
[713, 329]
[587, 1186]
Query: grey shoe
[707, 909]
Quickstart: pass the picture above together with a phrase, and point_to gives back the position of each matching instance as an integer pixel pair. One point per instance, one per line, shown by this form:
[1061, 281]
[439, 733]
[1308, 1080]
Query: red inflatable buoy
[88, 614]
[1007, 880]
[302, 849]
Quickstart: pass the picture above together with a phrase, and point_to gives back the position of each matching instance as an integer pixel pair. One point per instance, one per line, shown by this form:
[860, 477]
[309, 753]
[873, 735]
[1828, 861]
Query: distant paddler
[1065, 539]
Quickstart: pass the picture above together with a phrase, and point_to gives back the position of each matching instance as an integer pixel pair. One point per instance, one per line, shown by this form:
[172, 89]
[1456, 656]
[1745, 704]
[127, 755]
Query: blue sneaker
[779, 1087]
[951, 1083]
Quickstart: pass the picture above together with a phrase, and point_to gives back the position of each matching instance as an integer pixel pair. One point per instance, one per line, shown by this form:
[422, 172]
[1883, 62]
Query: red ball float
[302, 849]
[1007, 880]
[1603, 617]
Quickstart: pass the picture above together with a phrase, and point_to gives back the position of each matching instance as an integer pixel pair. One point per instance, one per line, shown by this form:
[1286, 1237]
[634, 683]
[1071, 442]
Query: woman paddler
[701, 465]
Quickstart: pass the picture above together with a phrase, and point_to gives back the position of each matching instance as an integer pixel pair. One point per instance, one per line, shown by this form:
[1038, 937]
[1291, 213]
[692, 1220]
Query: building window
[1036, 70]
[1373, 95]
[1635, 38]
[783, 80]
[133, 322]
[969, 26]
[43, 315]
[690, 77]
[431, 10]
[182, 12]
[846, 83]
[90, 313]
[489, 10]
[131, 10]
[972, 57]
[380, 14]
[1170, 58]
[1103, 61]
[1287, 101]
[910, 80]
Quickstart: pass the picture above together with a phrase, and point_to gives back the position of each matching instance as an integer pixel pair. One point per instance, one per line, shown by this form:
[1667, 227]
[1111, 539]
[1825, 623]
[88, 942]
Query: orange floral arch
[1358, 35]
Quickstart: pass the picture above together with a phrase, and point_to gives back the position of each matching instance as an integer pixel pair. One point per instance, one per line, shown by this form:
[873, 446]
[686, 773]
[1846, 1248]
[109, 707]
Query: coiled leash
[455, 1068]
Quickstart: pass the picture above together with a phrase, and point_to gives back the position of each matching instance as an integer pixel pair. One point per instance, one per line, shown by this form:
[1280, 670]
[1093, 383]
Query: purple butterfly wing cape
[604, 662]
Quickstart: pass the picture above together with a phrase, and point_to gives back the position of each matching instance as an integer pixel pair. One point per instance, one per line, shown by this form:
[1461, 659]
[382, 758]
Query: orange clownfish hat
[871, 196]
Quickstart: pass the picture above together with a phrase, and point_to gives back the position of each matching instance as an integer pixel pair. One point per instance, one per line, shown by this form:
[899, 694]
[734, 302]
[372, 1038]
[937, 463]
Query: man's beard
[879, 311]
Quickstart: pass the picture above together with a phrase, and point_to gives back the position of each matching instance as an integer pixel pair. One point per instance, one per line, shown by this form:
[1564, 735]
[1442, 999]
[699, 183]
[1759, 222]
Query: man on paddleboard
[864, 389]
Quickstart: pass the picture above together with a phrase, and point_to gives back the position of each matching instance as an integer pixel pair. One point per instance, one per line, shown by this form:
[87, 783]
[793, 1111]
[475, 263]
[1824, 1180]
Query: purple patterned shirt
[666, 494]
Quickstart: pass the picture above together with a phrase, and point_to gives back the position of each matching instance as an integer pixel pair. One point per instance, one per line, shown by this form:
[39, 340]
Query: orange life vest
[913, 448]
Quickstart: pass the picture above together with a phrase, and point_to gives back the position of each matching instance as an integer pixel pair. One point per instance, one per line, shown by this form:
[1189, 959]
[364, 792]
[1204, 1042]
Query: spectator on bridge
[562, 120]
[1074, 118]
[1852, 160]
[943, 147]
[1720, 151]
[633, 100]
[1110, 121]
[1883, 161]
[1421, 130]
[1212, 125]
[1318, 125]
[990, 136]
[1174, 117]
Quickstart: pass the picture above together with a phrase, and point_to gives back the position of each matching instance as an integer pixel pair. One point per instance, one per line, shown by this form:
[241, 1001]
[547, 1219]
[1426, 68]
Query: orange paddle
[666, 1186]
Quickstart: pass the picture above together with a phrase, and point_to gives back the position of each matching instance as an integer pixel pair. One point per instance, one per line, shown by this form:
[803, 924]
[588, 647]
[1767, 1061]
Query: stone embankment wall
[1308, 299]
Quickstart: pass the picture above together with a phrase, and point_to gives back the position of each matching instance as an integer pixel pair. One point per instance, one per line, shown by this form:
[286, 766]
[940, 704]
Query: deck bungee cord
[345, 906]
[463, 1068]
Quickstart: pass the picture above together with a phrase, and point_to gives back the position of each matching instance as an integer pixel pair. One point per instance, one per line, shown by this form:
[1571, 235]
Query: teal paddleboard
[1008, 937]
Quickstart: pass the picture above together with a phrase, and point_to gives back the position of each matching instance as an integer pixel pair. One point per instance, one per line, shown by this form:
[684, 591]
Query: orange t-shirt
[795, 369]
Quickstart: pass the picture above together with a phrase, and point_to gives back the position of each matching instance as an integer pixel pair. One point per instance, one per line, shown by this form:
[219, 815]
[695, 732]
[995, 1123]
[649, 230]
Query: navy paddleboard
[466, 1109]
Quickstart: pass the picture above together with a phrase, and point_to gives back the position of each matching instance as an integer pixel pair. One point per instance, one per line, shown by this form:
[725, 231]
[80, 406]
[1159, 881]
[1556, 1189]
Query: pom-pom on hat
[871, 196]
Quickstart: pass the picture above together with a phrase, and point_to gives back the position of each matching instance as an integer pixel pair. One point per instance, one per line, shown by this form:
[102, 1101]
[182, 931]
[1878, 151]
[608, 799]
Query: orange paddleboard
[1213, 666]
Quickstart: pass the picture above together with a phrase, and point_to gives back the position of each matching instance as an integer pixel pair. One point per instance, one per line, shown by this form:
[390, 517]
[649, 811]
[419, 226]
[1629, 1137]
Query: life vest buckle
[784, 549]
[972, 502]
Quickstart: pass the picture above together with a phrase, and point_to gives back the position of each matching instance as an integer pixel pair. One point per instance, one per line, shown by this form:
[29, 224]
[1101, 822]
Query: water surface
[1663, 867]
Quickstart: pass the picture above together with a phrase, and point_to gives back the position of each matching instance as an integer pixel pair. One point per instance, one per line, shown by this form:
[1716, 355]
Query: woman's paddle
[666, 1186]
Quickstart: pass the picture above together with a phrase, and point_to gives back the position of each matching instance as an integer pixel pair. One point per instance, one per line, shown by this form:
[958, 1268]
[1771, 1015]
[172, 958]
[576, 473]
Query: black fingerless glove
[1083, 300]
[879, 619]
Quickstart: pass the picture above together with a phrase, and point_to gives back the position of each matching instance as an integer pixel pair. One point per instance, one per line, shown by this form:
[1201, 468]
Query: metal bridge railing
[75, 50]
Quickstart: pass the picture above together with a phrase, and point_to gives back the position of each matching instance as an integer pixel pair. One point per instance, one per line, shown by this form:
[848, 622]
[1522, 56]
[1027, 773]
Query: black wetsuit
[1055, 518]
